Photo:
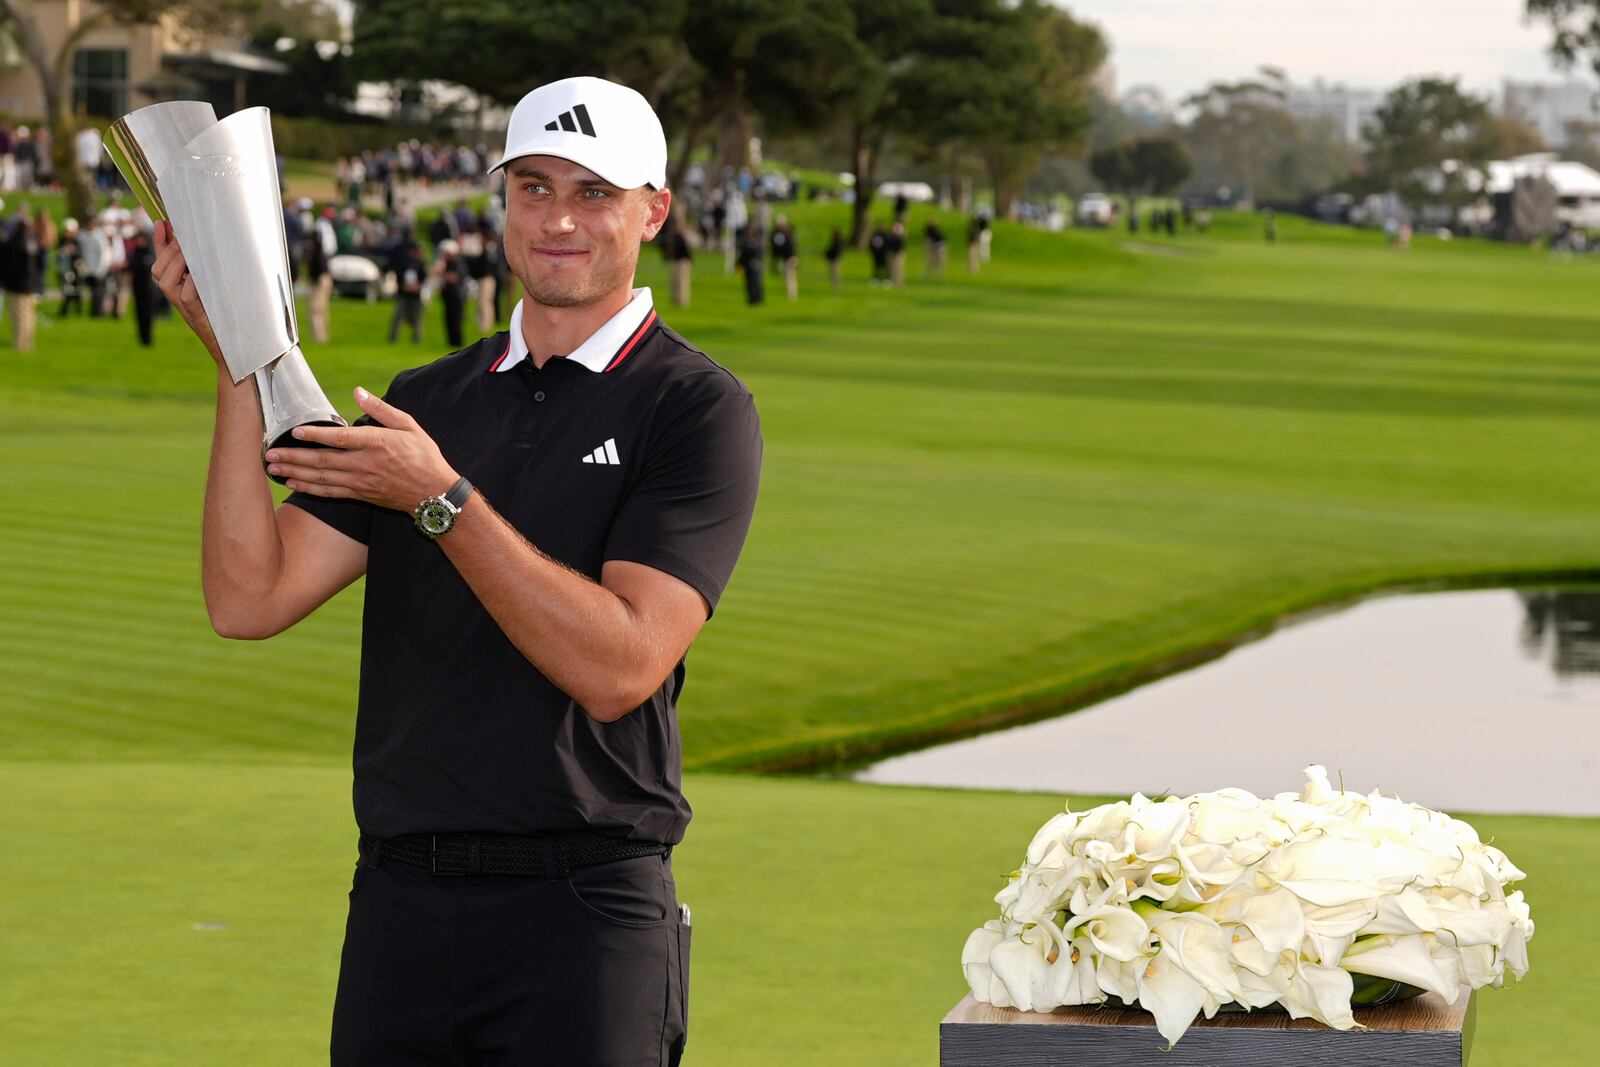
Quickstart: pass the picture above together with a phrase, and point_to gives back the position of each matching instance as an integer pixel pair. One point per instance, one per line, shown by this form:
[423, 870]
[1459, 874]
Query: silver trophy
[217, 184]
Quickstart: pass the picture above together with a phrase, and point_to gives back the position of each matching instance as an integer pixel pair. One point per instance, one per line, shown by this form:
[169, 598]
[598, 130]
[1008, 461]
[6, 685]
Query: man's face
[571, 237]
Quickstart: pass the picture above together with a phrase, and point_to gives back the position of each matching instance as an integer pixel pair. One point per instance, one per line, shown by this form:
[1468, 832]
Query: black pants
[586, 971]
[408, 310]
[144, 308]
[454, 301]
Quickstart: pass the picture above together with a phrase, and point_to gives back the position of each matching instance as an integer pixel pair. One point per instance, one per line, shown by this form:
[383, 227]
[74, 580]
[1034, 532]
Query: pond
[1481, 701]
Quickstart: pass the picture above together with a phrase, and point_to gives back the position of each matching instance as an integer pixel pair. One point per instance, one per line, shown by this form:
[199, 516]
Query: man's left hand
[394, 464]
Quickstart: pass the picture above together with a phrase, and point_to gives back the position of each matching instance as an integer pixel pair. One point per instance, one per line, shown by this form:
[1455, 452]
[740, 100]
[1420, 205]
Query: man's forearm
[579, 634]
[241, 554]
[608, 646]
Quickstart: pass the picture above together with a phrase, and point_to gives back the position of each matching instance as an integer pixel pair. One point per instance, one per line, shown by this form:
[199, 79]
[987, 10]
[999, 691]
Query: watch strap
[457, 496]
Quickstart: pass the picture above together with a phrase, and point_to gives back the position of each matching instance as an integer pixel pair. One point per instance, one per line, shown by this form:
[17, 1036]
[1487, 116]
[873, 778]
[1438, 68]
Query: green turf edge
[1038, 699]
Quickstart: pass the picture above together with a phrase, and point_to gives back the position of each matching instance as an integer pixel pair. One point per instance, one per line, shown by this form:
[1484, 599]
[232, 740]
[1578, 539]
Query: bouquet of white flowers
[1190, 904]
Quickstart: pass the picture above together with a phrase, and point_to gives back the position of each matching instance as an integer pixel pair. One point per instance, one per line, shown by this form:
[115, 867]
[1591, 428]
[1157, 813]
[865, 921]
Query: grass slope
[979, 496]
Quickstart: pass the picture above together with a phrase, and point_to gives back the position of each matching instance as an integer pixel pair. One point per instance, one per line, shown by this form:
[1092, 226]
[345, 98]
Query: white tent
[1577, 185]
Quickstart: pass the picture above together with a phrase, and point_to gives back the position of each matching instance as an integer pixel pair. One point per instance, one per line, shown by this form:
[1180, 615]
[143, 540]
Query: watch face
[434, 518]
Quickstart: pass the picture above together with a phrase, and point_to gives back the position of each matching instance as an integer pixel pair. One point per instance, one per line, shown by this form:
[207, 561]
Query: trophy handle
[291, 397]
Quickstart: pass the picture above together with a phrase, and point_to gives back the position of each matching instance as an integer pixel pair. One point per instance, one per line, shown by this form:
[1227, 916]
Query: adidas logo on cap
[564, 121]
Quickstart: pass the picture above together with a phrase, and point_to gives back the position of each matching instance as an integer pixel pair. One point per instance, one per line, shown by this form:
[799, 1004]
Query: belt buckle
[433, 860]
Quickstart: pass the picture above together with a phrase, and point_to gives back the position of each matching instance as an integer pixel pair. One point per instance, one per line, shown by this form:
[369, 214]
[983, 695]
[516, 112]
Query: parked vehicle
[915, 192]
[355, 275]
[1095, 209]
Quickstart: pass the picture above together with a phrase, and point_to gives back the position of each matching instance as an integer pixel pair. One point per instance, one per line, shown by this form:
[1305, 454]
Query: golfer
[545, 520]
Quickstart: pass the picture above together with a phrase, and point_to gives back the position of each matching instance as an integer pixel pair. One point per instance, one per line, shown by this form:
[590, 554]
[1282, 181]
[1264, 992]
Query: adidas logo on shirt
[606, 453]
[564, 121]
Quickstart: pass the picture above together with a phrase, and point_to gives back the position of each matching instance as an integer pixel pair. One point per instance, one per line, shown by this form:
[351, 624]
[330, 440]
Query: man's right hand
[172, 276]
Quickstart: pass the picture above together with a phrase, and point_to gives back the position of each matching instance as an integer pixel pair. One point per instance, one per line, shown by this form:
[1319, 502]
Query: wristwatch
[437, 514]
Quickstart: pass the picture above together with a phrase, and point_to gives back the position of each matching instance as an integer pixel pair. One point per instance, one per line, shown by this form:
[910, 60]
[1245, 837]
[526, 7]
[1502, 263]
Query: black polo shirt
[655, 459]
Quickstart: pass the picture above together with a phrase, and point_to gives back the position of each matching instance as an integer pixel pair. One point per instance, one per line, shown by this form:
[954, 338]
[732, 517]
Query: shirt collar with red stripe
[605, 349]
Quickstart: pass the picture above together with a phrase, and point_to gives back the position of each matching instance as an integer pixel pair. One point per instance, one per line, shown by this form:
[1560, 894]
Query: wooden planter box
[1422, 1032]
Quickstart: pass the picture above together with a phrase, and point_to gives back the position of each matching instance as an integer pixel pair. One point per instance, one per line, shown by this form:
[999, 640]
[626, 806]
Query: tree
[1142, 165]
[1583, 142]
[1160, 165]
[1575, 29]
[887, 32]
[55, 71]
[304, 35]
[710, 64]
[1112, 167]
[1007, 82]
[502, 49]
[311, 20]
[1054, 94]
[1514, 137]
[791, 63]
[1428, 141]
[1237, 136]
[1244, 139]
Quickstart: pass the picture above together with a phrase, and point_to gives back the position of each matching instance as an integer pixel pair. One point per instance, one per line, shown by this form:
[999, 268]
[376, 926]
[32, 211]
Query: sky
[1182, 45]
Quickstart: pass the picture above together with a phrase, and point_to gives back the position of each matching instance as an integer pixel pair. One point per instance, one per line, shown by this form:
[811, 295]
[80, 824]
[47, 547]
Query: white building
[1345, 109]
[1577, 185]
[1550, 107]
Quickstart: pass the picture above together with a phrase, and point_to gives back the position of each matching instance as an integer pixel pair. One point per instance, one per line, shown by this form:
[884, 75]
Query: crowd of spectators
[737, 215]
[343, 248]
[389, 174]
[349, 243]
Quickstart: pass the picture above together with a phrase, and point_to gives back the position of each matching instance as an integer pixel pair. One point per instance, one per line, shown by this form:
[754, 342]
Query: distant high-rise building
[1146, 104]
[1345, 109]
[1551, 107]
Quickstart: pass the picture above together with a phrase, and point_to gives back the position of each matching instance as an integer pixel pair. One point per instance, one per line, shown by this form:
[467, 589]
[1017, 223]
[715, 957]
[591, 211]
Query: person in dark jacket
[878, 246]
[678, 251]
[69, 266]
[19, 276]
[752, 250]
[319, 272]
[141, 258]
[834, 254]
[897, 254]
[786, 256]
[451, 270]
[937, 247]
[411, 271]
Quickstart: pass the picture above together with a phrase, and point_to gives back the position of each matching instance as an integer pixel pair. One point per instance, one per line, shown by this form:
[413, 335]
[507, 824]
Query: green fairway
[982, 498]
[979, 496]
[828, 917]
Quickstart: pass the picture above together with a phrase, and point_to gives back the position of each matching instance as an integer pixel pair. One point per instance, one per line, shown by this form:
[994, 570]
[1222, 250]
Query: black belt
[542, 856]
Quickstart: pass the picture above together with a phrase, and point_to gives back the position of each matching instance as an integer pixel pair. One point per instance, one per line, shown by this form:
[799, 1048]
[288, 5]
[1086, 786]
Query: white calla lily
[1120, 978]
[1276, 917]
[1402, 957]
[1321, 992]
[975, 964]
[1248, 954]
[1184, 904]
[1019, 963]
[1201, 948]
[1157, 827]
[1171, 994]
[1115, 931]
[1261, 990]
[1406, 912]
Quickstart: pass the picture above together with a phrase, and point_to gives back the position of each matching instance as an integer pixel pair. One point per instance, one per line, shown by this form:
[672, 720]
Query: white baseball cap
[606, 127]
